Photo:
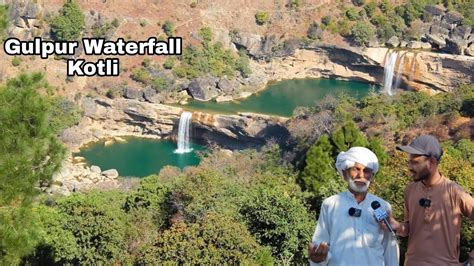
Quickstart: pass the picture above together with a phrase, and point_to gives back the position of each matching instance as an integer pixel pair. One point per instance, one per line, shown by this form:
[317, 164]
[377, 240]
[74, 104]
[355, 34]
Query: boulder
[148, 94]
[425, 45]
[95, 169]
[131, 93]
[204, 88]
[461, 32]
[111, 173]
[437, 40]
[415, 45]
[453, 17]
[438, 30]
[157, 98]
[32, 11]
[434, 10]
[20, 23]
[89, 106]
[393, 42]
[469, 50]
[228, 86]
[456, 46]
[403, 44]
[251, 42]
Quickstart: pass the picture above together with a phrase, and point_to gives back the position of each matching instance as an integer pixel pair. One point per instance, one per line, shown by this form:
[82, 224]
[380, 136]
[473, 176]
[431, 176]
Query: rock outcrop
[422, 70]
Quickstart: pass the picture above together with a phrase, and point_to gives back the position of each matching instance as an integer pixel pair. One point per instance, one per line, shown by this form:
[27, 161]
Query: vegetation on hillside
[29, 155]
[69, 24]
[4, 20]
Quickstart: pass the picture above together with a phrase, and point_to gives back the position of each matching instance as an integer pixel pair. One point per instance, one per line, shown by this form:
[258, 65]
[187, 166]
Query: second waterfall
[184, 133]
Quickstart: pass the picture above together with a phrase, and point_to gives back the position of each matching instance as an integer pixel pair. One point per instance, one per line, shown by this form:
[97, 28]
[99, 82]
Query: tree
[29, 154]
[287, 234]
[362, 33]
[319, 165]
[84, 229]
[214, 240]
[348, 136]
[70, 22]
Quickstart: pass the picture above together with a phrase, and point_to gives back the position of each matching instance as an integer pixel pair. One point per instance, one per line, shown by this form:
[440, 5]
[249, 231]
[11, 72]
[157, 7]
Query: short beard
[353, 186]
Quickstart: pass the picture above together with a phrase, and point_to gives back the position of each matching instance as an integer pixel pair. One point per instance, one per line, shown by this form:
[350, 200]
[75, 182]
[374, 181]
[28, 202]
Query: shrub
[351, 14]
[69, 24]
[16, 61]
[214, 240]
[4, 21]
[261, 17]
[206, 34]
[168, 28]
[159, 84]
[287, 234]
[362, 33]
[169, 63]
[326, 20]
[370, 8]
[141, 75]
[314, 32]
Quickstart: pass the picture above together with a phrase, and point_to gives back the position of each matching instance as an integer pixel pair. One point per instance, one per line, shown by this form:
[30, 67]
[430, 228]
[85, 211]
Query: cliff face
[104, 118]
[420, 70]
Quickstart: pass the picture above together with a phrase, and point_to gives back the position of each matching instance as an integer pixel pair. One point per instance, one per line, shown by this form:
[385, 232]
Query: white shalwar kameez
[354, 241]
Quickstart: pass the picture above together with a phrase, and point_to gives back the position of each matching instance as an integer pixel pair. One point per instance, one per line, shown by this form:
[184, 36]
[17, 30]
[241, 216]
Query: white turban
[354, 155]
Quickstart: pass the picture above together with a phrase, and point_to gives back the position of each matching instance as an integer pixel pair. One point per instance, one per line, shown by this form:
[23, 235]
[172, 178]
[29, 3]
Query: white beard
[357, 188]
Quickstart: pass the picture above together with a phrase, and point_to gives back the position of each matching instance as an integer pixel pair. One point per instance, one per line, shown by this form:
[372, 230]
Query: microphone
[355, 212]
[381, 215]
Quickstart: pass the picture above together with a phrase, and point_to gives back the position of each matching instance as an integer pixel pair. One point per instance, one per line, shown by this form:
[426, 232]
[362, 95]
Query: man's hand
[318, 253]
[394, 223]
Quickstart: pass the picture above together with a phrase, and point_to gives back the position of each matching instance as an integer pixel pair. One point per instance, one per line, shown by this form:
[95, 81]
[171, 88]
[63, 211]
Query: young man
[433, 208]
[347, 232]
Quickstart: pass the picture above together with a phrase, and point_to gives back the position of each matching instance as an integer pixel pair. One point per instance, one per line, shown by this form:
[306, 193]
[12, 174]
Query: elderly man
[347, 232]
[434, 206]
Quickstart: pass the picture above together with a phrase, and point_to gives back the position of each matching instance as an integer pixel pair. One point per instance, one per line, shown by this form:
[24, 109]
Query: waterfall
[389, 68]
[184, 133]
[399, 71]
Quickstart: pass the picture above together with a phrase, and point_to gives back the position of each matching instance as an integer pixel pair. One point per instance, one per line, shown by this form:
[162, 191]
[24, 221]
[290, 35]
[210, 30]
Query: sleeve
[404, 226]
[322, 233]
[391, 252]
[466, 205]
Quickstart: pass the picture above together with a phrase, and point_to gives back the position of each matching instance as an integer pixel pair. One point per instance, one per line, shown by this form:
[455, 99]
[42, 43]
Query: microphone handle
[389, 227]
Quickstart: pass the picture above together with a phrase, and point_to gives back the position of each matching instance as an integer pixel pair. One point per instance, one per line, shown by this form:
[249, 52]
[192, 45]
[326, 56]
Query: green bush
[352, 14]
[287, 234]
[370, 8]
[206, 34]
[68, 25]
[213, 240]
[168, 28]
[326, 20]
[213, 59]
[169, 63]
[159, 84]
[262, 17]
[4, 21]
[85, 229]
[16, 61]
[141, 75]
[362, 33]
